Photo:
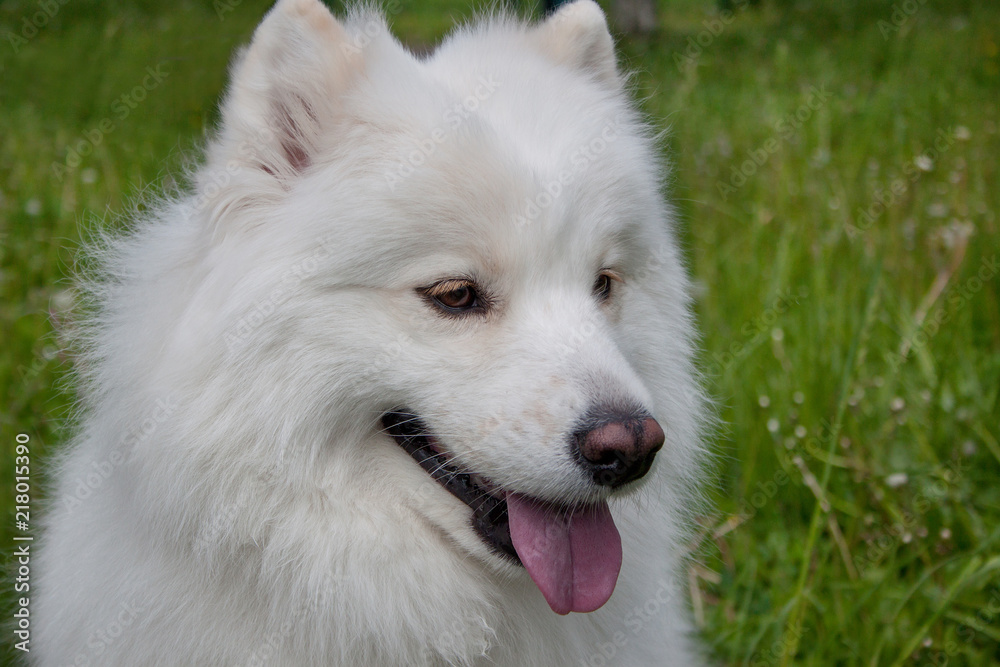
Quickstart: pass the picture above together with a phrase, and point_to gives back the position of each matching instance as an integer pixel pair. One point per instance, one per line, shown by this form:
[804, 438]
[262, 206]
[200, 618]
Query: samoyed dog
[406, 377]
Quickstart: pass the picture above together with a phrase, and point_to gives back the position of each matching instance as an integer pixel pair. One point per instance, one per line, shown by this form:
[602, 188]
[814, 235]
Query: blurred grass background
[856, 359]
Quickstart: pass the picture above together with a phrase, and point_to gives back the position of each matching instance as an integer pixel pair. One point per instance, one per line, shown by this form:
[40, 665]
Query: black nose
[617, 448]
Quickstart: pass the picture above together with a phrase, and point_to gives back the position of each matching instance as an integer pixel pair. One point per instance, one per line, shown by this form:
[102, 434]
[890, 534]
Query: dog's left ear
[285, 89]
[577, 35]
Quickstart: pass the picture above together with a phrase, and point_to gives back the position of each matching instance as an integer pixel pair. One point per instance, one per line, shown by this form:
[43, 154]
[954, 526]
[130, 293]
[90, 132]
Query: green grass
[844, 352]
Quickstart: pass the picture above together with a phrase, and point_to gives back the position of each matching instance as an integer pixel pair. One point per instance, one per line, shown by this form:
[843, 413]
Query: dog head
[462, 264]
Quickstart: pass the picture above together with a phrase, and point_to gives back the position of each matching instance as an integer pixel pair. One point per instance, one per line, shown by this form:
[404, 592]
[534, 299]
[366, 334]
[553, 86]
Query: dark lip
[488, 504]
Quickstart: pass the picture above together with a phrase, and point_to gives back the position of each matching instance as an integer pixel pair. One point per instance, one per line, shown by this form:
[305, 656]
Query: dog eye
[602, 286]
[461, 298]
[455, 296]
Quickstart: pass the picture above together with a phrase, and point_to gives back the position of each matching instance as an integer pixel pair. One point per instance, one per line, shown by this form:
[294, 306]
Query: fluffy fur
[231, 499]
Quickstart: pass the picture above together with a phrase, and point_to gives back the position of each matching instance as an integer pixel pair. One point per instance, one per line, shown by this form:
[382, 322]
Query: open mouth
[572, 554]
[488, 503]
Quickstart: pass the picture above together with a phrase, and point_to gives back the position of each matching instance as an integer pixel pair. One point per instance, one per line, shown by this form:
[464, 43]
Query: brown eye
[602, 286]
[461, 298]
[455, 297]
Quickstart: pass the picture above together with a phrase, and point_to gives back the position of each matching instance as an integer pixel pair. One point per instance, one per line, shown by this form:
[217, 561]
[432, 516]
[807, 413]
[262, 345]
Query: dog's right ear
[577, 35]
[285, 89]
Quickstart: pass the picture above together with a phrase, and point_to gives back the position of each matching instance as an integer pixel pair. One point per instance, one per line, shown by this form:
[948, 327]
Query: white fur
[230, 499]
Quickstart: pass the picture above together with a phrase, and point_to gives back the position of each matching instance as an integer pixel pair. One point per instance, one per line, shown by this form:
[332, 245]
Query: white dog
[387, 386]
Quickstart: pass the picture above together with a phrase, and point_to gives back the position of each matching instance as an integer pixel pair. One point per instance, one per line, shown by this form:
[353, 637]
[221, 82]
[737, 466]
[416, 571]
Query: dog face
[469, 254]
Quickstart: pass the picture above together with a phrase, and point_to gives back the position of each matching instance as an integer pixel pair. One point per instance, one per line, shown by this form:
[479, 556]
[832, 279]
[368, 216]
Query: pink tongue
[573, 559]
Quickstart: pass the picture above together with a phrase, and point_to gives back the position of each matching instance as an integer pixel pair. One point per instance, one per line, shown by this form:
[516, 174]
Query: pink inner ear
[292, 142]
[295, 154]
